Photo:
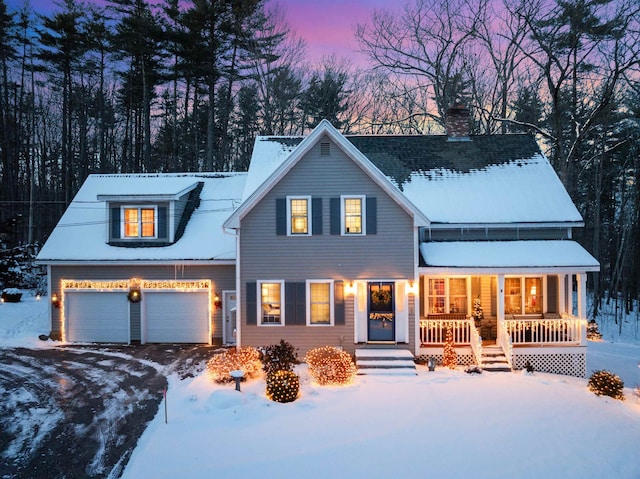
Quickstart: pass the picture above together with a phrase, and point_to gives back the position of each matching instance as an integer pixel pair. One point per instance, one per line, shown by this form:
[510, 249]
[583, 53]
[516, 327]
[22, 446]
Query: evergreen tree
[449, 356]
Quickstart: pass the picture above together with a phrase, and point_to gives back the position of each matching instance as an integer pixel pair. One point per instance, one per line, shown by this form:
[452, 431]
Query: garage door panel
[176, 317]
[101, 317]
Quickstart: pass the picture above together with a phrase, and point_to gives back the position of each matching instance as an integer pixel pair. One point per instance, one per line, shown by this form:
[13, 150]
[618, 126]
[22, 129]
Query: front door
[381, 324]
[229, 317]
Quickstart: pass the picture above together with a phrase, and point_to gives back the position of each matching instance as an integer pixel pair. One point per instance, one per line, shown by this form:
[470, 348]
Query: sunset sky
[326, 25]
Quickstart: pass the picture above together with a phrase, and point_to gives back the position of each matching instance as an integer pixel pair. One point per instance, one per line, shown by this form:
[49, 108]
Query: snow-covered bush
[283, 386]
[245, 359]
[279, 357]
[330, 366]
[605, 383]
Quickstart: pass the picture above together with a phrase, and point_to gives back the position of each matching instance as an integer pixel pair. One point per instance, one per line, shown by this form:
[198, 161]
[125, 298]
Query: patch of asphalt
[78, 411]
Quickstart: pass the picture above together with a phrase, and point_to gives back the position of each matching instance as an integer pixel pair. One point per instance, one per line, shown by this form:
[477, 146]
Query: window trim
[331, 322]
[447, 294]
[363, 215]
[289, 217]
[123, 222]
[259, 316]
[541, 295]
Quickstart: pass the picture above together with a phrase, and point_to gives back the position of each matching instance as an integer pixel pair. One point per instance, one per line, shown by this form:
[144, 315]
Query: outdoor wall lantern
[55, 300]
[217, 302]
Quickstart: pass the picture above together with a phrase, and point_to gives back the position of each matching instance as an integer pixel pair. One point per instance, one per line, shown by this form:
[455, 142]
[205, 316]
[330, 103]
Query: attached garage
[175, 317]
[101, 317]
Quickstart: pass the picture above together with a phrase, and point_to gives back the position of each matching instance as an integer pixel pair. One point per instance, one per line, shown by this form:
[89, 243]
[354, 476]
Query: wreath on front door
[381, 296]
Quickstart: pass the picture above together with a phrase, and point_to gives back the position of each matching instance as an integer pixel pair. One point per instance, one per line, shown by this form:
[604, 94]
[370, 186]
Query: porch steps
[494, 360]
[385, 361]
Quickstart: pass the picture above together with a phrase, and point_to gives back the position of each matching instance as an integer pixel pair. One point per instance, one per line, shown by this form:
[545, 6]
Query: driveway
[78, 411]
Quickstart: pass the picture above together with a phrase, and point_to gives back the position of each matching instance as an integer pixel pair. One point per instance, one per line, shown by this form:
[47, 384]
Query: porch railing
[434, 331]
[565, 330]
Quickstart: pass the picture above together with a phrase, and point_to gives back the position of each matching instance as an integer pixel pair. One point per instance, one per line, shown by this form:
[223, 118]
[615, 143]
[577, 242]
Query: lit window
[271, 303]
[447, 295]
[353, 214]
[298, 215]
[523, 294]
[139, 222]
[319, 303]
[533, 295]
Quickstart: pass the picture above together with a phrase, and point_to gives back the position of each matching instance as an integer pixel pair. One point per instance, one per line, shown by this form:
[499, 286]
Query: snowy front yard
[439, 424]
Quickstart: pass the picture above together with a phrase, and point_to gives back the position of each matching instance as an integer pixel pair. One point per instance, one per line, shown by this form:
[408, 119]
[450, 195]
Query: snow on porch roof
[545, 254]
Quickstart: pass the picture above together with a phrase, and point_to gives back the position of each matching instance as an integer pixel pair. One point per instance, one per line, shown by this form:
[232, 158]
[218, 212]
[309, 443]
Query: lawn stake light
[237, 375]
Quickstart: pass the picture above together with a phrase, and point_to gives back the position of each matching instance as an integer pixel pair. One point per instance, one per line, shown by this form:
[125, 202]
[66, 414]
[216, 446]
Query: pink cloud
[328, 26]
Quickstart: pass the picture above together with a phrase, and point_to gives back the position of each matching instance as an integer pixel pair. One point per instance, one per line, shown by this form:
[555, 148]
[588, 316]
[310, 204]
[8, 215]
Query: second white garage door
[175, 317]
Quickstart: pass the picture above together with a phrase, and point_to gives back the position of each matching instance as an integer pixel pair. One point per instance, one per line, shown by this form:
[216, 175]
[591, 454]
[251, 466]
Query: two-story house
[351, 241]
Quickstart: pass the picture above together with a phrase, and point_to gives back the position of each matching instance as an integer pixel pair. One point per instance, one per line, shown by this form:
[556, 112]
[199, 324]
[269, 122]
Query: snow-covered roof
[81, 233]
[549, 254]
[273, 157]
[486, 179]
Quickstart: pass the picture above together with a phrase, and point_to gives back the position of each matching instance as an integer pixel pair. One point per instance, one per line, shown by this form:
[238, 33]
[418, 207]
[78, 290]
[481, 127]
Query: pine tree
[449, 357]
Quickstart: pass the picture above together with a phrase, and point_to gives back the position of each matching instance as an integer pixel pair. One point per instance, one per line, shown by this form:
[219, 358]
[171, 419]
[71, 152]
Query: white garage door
[97, 317]
[176, 317]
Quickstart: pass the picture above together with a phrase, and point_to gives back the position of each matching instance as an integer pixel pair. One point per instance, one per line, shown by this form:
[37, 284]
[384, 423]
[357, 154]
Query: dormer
[147, 219]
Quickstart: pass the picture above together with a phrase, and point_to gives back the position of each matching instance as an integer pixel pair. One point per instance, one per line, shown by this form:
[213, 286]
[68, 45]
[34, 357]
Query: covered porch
[528, 298]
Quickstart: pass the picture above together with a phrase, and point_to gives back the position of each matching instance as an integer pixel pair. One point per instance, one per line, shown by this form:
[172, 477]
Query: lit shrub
[279, 357]
[330, 366]
[282, 386]
[247, 359]
[605, 383]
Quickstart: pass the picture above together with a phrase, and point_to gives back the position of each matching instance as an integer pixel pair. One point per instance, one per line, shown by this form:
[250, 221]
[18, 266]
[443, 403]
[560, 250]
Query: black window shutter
[301, 303]
[372, 215]
[334, 206]
[252, 304]
[295, 306]
[281, 216]
[162, 222]
[115, 222]
[338, 303]
[316, 216]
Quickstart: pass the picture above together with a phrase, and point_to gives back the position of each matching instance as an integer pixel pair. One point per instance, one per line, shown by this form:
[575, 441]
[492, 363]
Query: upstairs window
[139, 222]
[353, 215]
[298, 215]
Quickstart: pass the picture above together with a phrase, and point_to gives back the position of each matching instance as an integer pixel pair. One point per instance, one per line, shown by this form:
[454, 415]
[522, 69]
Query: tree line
[140, 86]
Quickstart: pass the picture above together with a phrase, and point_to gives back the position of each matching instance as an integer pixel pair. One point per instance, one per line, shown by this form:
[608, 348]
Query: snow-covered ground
[438, 424]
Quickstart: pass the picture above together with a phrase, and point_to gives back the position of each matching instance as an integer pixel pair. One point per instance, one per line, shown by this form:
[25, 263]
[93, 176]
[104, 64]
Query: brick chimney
[457, 121]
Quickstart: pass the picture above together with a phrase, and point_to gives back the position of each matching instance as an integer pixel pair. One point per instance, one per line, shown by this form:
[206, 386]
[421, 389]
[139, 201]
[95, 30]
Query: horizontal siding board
[266, 256]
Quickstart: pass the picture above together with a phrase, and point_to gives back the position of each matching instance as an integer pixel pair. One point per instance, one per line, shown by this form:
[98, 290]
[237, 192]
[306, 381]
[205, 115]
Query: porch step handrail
[503, 339]
[563, 330]
[476, 344]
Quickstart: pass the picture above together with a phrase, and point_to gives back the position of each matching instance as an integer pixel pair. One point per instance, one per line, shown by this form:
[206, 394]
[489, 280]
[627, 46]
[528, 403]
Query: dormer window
[139, 222]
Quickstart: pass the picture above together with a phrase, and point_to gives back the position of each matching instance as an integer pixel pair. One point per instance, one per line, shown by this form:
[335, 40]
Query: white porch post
[500, 301]
[582, 295]
[562, 293]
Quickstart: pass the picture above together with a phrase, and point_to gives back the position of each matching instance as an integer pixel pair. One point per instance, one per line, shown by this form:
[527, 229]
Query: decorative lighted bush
[247, 359]
[605, 383]
[329, 365]
[279, 357]
[283, 386]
